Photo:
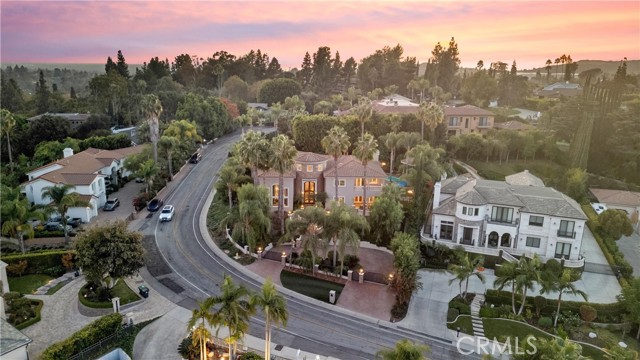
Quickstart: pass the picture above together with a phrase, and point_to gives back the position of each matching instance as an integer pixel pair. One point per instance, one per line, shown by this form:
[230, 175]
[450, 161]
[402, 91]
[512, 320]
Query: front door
[309, 192]
[467, 236]
[563, 250]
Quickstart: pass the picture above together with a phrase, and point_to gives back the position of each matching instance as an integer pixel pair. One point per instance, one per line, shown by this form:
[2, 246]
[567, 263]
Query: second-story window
[484, 121]
[453, 121]
[342, 183]
[319, 167]
[502, 214]
[536, 220]
[359, 181]
[309, 168]
[298, 167]
[567, 229]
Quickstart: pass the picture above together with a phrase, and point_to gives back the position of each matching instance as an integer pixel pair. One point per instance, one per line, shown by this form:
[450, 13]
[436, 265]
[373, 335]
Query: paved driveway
[630, 247]
[125, 194]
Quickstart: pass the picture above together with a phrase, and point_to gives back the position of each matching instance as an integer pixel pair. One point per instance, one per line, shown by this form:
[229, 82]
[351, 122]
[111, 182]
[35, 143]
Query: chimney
[67, 152]
[436, 194]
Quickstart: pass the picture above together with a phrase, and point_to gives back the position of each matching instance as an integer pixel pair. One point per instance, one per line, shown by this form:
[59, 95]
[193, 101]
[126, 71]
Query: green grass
[28, 284]
[309, 286]
[464, 323]
[58, 286]
[120, 290]
[500, 329]
[547, 170]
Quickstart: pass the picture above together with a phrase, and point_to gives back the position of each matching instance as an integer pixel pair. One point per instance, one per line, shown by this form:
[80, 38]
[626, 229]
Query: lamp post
[390, 278]
[361, 276]
[259, 253]
[283, 258]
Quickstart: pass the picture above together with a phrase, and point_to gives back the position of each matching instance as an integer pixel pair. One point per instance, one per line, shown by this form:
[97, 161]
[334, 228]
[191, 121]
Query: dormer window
[319, 167]
[298, 167]
[309, 168]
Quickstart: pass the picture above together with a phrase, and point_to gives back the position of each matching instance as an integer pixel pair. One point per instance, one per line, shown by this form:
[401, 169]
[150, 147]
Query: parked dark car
[195, 158]
[155, 205]
[111, 205]
[74, 222]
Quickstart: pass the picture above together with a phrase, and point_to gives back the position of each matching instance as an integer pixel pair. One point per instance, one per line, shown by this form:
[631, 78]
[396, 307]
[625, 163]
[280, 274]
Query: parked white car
[167, 213]
[599, 208]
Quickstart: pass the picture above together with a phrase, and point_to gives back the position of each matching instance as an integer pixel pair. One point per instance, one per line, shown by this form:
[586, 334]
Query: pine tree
[110, 65]
[42, 95]
[121, 65]
[306, 71]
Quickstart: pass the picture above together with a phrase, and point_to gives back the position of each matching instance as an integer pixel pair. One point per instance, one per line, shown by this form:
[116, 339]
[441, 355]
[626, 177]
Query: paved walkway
[630, 247]
[469, 169]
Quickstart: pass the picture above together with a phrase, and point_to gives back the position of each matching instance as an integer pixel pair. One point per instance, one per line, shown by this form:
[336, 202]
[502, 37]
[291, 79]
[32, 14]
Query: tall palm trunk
[555, 321]
[169, 156]
[9, 151]
[66, 233]
[335, 163]
[364, 200]
[422, 130]
[513, 297]
[433, 136]
[524, 299]
[229, 195]
[393, 156]
[267, 334]
[21, 239]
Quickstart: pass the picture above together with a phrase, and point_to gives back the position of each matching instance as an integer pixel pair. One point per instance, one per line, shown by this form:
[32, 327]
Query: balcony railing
[566, 234]
[513, 222]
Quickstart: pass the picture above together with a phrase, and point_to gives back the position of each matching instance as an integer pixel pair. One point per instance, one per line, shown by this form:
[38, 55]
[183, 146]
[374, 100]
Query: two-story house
[467, 119]
[315, 173]
[89, 171]
[519, 216]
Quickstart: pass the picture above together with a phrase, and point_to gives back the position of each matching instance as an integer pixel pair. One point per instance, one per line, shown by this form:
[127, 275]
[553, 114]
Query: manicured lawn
[58, 286]
[120, 290]
[500, 329]
[28, 284]
[309, 286]
[464, 323]
[493, 170]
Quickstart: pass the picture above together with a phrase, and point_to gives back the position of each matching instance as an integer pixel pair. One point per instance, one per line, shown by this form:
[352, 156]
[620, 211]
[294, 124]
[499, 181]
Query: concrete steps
[476, 321]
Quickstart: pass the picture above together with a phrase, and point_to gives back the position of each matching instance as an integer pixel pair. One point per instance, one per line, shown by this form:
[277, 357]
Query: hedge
[610, 313]
[37, 263]
[84, 338]
[34, 319]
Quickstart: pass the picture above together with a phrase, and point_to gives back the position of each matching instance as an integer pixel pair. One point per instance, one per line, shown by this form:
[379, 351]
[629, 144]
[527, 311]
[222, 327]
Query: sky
[529, 32]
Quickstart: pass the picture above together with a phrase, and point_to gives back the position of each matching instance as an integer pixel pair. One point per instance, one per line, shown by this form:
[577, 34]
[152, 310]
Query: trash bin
[144, 291]
[332, 296]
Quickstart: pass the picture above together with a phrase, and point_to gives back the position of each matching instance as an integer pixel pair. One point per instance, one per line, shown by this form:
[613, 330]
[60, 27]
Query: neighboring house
[558, 89]
[88, 171]
[74, 119]
[513, 125]
[518, 216]
[392, 104]
[315, 173]
[627, 201]
[467, 119]
[132, 132]
[13, 343]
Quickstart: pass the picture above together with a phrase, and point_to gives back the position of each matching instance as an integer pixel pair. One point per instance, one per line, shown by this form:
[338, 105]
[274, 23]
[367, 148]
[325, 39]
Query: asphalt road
[181, 260]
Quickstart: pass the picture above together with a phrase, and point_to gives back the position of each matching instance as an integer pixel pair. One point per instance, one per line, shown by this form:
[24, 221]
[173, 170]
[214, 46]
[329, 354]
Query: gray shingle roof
[524, 178]
[450, 185]
[447, 207]
[472, 197]
[11, 338]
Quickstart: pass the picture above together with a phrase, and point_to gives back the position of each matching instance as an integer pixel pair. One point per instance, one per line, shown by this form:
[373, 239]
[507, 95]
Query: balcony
[566, 234]
[513, 222]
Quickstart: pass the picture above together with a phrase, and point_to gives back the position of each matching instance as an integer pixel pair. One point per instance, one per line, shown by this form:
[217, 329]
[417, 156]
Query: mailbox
[332, 296]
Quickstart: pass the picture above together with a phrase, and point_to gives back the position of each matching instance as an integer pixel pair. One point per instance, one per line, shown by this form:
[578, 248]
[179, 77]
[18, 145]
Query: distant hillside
[90, 68]
[607, 67]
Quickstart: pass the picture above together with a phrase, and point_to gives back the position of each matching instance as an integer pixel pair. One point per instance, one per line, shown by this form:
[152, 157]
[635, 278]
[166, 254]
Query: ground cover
[28, 284]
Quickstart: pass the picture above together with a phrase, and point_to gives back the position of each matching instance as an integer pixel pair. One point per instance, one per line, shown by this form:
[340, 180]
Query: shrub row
[607, 313]
[84, 338]
[608, 246]
[39, 304]
[48, 262]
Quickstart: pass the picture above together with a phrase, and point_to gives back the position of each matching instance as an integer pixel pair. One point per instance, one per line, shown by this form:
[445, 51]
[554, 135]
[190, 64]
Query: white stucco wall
[39, 172]
[17, 354]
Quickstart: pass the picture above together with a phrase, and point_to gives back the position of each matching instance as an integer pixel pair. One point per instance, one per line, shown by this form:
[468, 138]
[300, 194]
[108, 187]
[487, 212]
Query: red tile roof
[350, 166]
[617, 197]
[466, 110]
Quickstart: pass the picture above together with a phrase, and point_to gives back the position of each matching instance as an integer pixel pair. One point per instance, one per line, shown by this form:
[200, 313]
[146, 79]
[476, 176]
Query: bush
[452, 314]
[399, 310]
[55, 271]
[545, 322]
[83, 338]
[38, 263]
[539, 302]
[351, 261]
[463, 308]
[17, 268]
[588, 313]
[488, 312]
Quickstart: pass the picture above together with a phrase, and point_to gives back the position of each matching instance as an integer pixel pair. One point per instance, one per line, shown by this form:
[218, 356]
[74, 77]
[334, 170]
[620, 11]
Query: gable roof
[617, 197]
[310, 157]
[524, 178]
[11, 338]
[447, 207]
[450, 185]
[466, 110]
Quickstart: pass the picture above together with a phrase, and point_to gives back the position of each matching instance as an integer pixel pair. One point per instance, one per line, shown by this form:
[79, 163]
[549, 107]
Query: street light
[259, 253]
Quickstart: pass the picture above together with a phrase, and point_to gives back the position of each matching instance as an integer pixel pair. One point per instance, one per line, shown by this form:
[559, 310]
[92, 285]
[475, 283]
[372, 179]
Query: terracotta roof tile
[310, 157]
[617, 197]
[349, 165]
[466, 110]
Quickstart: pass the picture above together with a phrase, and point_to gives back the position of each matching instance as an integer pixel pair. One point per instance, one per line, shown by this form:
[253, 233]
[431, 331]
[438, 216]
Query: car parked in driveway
[111, 205]
[56, 226]
[167, 213]
[155, 205]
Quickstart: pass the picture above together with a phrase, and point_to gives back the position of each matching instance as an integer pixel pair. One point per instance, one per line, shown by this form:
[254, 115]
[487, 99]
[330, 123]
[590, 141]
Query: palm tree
[7, 126]
[231, 177]
[343, 224]
[336, 143]
[548, 67]
[62, 199]
[563, 284]
[16, 214]
[152, 108]
[147, 171]
[556, 61]
[169, 144]
[408, 140]
[554, 348]
[422, 84]
[234, 312]
[506, 276]
[466, 268]
[251, 221]
[405, 350]
[391, 141]
[363, 112]
[529, 273]
[430, 115]
[251, 150]
[284, 155]
[274, 308]
[309, 224]
[197, 325]
[364, 151]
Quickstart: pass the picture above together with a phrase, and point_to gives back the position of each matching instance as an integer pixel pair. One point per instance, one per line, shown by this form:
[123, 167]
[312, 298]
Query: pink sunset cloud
[528, 32]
